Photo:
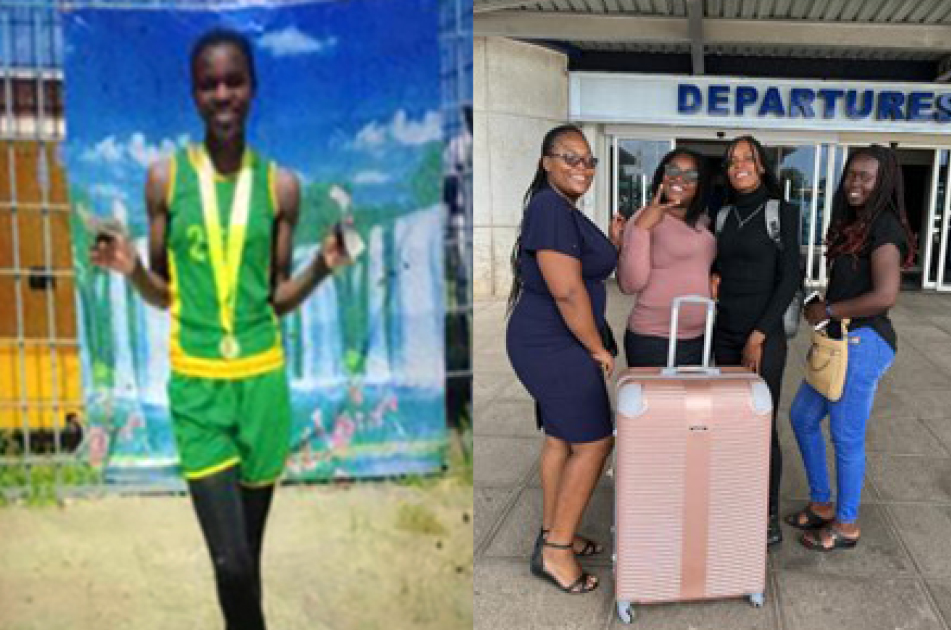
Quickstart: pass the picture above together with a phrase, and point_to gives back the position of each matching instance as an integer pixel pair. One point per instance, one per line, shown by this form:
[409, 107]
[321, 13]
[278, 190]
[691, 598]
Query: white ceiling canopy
[820, 29]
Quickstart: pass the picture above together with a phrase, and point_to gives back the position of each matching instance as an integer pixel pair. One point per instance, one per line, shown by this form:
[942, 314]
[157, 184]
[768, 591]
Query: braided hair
[849, 230]
[699, 202]
[539, 183]
[767, 177]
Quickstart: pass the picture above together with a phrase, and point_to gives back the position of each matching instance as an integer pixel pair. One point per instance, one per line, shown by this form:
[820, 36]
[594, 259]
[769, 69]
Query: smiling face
[571, 181]
[680, 180]
[744, 168]
[860, 180]
[222, 88]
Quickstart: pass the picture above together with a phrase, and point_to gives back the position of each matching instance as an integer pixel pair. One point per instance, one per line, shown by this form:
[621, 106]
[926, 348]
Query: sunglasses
[573, 160]
[688, 175]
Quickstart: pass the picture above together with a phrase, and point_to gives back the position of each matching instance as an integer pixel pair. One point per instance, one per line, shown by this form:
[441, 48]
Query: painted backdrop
[348, 98]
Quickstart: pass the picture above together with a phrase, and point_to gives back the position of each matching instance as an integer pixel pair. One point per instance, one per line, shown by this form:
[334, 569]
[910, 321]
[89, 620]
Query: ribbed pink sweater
[659, 264]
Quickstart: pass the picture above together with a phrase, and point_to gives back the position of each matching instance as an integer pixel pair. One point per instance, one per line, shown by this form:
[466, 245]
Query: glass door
[798, 170]
[634, 163]
[808, 175]
[934, 238]
[942, 265]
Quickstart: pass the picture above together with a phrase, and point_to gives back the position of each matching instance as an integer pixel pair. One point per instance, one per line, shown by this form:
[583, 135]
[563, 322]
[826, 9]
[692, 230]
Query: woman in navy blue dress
[557, 309]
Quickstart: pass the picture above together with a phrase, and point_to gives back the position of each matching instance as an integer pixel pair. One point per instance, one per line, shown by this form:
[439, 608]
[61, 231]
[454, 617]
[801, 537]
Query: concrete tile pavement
[898, 577]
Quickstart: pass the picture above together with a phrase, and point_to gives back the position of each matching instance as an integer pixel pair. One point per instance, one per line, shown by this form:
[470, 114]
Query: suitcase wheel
[757, 599]
[625, 612]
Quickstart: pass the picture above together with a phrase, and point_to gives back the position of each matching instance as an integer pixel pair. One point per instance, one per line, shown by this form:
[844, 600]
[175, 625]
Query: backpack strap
[772, 222]
[722, 214]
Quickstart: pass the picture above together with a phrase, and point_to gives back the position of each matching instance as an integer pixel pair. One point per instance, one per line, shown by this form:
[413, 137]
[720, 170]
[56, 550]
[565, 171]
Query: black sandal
[813, 541]
[578, 587]
[591, 548]
[813, 520]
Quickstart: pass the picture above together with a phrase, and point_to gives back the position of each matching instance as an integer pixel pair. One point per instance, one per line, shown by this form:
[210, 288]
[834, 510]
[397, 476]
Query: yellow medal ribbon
[225, 257]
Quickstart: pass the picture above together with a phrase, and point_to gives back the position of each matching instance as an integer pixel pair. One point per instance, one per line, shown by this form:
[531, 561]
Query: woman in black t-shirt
[868, 242]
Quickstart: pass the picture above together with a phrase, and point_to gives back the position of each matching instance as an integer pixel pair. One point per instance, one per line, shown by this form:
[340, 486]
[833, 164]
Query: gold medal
[225, 249]
[230, 348]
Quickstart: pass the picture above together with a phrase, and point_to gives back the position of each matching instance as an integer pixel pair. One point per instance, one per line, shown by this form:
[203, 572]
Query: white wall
[520, 92]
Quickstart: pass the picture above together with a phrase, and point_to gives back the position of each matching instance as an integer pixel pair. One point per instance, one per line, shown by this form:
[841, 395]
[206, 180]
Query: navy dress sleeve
[550, 224]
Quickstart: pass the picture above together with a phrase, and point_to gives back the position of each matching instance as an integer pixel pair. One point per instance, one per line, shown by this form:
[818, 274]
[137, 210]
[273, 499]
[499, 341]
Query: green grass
[37, 484]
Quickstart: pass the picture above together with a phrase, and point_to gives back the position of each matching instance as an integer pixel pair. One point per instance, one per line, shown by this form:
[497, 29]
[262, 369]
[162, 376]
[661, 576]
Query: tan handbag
[827, 361]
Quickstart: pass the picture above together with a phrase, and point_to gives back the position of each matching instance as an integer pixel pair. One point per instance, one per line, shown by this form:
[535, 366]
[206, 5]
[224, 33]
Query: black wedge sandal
[579, 586]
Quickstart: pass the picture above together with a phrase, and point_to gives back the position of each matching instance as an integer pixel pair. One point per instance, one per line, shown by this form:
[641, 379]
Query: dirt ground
[369, 555]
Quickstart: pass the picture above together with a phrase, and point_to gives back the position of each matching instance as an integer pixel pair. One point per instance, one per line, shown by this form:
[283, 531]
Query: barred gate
[40, 389]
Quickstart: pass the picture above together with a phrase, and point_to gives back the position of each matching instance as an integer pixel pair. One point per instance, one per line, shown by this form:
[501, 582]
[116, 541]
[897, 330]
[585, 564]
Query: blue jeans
[870, 356]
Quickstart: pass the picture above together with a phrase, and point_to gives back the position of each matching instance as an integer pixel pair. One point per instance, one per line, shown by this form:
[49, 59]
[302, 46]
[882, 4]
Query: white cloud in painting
[109, 191]
[292, 41]
[406, 131]
[370, 177]
[371, 137]
[145, 154]
[107, 150]
[401, 129]
[137, 148]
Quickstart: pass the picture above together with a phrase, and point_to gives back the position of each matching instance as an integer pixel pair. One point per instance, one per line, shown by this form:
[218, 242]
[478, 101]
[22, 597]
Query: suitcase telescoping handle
[706, 368]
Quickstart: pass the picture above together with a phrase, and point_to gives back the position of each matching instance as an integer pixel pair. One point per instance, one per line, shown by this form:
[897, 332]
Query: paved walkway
[898, 577]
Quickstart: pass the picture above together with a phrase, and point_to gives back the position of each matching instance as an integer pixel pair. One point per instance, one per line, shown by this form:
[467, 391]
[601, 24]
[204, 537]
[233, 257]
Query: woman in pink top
[667, 251]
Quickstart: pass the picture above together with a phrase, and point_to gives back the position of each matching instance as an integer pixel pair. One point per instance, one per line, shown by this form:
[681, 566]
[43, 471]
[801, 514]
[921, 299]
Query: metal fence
[41, 404]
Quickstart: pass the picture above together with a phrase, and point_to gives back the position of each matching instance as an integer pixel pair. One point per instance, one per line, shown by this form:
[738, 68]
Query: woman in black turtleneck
[757, 280]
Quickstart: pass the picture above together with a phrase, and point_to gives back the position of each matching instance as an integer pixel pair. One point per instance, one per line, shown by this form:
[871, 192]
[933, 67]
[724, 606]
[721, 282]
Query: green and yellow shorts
[220, 423]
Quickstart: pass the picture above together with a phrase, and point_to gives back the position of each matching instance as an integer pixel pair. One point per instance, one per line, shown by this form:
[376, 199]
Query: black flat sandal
[591, 548]
[813, 520]
[578, 587]
[813, 541]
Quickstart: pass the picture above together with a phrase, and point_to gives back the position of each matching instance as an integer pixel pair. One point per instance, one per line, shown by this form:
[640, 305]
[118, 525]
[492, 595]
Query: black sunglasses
[573, 160]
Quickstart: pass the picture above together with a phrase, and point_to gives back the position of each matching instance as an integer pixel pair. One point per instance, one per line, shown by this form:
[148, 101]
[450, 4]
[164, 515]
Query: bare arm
[634, 260]
[289, 292]
[886, 281]
[562, 274]
[152, 283]
[118, 254]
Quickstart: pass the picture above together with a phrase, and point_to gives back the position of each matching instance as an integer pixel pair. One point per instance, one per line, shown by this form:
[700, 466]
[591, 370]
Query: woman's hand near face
[653, 213]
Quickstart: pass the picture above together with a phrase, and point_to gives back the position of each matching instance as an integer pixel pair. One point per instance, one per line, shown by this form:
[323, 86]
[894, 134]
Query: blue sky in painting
[348, 92]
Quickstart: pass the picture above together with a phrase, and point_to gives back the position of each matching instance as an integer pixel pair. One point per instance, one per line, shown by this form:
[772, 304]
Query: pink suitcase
[691, 477]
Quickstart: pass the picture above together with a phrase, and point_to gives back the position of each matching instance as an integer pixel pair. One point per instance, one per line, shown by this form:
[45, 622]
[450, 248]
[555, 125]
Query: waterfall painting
[347, 99]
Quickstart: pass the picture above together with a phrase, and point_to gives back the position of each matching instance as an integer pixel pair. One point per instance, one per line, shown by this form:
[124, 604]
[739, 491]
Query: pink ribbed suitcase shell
[691, 483]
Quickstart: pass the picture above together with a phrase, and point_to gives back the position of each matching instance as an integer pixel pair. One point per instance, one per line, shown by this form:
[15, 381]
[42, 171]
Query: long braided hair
[849, 230]
[539, 183]
[767, 177]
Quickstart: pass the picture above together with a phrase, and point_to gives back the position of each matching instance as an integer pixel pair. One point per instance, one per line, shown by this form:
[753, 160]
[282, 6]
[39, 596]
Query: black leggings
[649, 351]
[232, 519]
[728, 350]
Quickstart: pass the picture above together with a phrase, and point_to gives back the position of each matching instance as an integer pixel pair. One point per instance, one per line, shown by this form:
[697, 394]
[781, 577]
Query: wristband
[829, 310]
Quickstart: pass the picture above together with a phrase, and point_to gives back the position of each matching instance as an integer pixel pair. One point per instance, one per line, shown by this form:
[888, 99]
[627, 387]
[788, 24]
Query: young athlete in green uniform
[221, 222]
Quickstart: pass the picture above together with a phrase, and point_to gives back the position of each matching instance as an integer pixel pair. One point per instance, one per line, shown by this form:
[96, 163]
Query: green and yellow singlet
[219, 243]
